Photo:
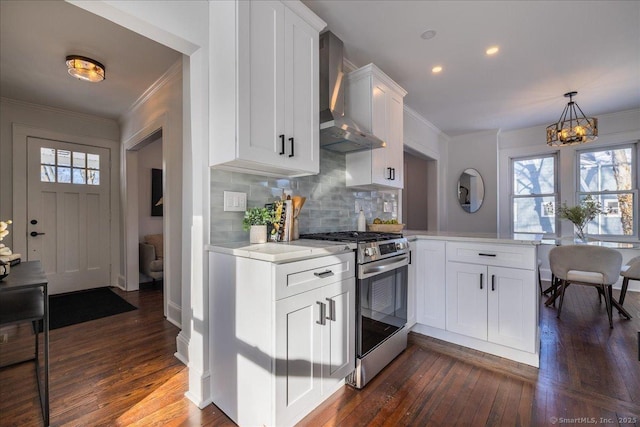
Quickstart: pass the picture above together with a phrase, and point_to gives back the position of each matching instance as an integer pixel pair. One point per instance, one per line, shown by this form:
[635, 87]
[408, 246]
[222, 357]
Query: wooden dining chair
[586, 265]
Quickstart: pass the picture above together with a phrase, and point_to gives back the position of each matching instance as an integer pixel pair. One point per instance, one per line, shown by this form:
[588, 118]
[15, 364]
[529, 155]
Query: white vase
[258, 234]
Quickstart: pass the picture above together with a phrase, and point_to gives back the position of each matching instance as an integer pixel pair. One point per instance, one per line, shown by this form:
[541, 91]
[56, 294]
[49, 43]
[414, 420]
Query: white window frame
[555, 194]
[634, 186]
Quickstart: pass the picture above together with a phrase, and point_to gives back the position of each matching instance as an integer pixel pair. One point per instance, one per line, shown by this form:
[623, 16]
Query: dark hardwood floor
[121, 371]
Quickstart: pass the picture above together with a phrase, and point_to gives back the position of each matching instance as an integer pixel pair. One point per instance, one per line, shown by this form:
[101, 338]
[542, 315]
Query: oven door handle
[379, 267]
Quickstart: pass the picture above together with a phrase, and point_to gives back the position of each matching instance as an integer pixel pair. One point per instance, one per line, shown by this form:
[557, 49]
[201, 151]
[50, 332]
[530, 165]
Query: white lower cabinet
[283, 335]
[479, 295]
[314, 347]
[491, 303]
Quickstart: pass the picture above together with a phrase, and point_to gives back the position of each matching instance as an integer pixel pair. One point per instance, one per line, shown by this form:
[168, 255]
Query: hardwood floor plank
[121, 371]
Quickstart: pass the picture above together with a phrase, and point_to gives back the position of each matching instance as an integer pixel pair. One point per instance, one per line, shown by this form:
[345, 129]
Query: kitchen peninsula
[478, 290]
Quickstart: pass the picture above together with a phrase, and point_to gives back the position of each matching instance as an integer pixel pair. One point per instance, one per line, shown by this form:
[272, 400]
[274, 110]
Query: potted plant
[255, 220]
[580, 215]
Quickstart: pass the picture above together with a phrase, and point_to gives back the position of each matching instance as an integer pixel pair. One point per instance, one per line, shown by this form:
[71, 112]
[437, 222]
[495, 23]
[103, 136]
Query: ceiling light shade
[86, 69]
[573, 127]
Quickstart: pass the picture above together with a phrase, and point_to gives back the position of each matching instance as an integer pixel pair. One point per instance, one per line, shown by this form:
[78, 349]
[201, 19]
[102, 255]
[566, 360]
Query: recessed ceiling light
[429, 34]
[492, 50]
[436, 69]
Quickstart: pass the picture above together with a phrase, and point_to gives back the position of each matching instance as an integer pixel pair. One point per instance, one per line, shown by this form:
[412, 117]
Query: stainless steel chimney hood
[337, 132]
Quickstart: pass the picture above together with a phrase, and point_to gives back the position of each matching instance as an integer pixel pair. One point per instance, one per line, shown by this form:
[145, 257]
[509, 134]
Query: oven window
[382, 308]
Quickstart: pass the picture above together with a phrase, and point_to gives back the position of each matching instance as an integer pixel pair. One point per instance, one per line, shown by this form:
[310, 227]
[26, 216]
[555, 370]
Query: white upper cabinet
[264, 88]
[376, 103]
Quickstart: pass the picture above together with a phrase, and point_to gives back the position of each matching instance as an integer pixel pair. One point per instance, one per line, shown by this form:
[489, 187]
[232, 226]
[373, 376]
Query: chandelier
[572, 128]
[86, 69]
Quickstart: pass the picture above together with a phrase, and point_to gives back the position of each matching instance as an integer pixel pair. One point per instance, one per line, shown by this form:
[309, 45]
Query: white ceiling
[547, 48]
[36, 37]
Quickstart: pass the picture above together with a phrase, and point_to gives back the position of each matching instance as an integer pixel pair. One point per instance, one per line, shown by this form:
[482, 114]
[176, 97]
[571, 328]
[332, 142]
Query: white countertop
[526, 239]
[281, 252]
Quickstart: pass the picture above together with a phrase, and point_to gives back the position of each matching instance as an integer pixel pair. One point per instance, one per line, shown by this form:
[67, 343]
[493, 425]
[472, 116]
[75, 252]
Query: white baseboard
[532, 359]
[182, 345]
[199, 388]
[174, 314]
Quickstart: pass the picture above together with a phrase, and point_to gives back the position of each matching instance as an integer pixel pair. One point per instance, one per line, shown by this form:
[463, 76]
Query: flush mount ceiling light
[429, 34]
[86, 69]
[572, 128]
[492, 50]
[436, 69]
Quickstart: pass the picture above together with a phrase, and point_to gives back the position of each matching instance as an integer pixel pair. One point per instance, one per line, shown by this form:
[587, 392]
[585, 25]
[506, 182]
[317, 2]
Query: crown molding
[413, 113]
[163, 80]
[57, 110]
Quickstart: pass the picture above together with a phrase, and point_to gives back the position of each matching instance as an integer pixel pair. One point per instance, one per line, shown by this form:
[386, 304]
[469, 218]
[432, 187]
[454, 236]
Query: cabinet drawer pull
[291, 141]
[281, 144]
[393, 174]
[323, 313]
[332, 309]
[481, 277]
[493, 282]
[389, 177]
[323, 274]
[491, 255]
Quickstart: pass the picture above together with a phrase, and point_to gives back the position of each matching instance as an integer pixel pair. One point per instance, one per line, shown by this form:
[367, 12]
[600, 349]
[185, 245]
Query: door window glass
[66, 167]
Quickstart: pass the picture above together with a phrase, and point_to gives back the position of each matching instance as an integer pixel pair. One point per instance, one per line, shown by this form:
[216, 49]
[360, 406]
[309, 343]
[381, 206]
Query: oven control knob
[369, 251]
[400, 246]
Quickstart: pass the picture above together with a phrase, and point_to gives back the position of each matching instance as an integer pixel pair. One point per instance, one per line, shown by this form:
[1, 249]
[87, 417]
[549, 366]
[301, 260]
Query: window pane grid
[608, 175]
[66, 167]
[534, 194]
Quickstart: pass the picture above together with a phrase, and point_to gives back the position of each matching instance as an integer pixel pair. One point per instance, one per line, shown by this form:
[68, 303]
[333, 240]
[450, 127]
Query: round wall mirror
[470, 190]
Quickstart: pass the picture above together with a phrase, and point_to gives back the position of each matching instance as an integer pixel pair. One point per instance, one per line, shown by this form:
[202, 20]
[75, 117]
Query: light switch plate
[235, 201]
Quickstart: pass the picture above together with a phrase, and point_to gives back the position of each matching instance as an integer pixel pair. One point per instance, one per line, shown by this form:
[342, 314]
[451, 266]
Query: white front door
[68, 222]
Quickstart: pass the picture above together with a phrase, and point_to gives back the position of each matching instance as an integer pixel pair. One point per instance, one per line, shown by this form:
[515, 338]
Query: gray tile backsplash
[330, 205]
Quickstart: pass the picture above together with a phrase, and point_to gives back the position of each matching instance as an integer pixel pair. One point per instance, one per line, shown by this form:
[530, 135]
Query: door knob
[35, 233]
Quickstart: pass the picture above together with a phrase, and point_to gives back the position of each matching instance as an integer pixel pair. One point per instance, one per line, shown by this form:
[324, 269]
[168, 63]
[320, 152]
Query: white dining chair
[586, 265]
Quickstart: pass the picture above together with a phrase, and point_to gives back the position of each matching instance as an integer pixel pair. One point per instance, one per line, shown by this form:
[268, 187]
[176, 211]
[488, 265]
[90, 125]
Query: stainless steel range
[381, 298]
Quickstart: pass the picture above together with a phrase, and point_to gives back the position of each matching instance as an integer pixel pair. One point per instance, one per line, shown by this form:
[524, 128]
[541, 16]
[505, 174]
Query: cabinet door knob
[291, 141]
[389, 177]
[281, 144]
[481, 277]
[323, 313]
[493, 282]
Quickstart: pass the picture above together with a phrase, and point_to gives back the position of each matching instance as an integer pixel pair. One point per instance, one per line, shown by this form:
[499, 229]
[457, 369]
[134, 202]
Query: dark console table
[24, 298]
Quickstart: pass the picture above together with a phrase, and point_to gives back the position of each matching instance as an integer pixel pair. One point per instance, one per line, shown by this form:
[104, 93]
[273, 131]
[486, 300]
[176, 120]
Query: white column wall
[183, 26]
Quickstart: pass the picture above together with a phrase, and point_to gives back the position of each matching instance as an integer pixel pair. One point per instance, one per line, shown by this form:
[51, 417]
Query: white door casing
[74, 217]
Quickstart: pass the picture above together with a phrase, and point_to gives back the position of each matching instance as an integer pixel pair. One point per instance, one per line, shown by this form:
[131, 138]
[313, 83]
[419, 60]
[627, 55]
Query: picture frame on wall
[157, 205]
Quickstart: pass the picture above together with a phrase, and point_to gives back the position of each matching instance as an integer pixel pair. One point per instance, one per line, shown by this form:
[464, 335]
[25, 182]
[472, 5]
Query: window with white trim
[609, 176]
[534, 194]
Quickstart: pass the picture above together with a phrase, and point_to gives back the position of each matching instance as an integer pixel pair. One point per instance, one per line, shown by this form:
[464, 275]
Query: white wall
[190, 36]
[160, 109]
[477, 151]
[149, 157]
[616, 128]
[423, 139]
